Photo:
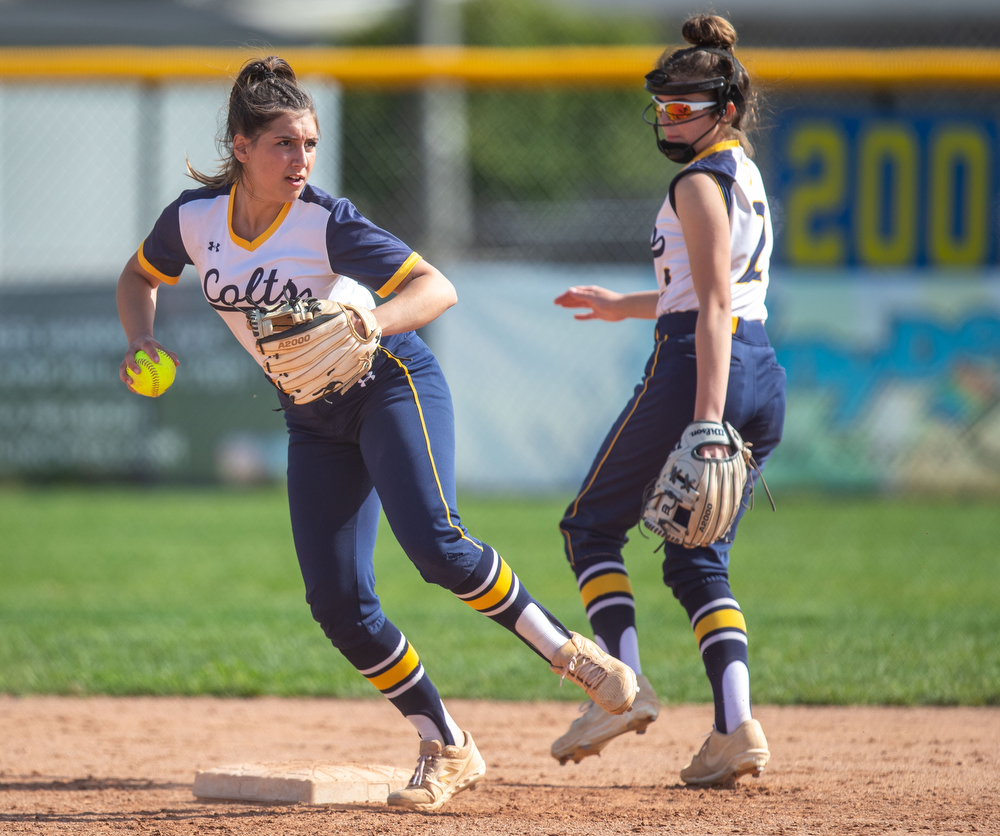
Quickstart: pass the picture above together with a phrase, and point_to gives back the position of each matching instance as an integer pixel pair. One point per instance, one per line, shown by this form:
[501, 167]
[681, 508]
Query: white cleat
[441, 772]
[728, 756]
[591, 732]
[608, 681]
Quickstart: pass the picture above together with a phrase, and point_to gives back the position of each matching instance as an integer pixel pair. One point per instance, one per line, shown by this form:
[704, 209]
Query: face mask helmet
[725, 90]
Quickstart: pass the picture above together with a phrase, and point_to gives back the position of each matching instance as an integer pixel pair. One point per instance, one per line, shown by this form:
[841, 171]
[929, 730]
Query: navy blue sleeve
[365, 252]
[163, 253]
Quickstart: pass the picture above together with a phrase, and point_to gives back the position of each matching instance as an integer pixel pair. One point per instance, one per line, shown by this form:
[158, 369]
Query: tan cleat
[725, 756]
[441, 772]
[608, 682]
[589, 734]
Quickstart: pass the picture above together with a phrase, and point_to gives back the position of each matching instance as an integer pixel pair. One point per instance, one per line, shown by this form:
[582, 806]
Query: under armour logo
[368, 376]
[213, 247]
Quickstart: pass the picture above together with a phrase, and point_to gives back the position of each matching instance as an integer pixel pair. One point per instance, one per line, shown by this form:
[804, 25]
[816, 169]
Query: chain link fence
[542, 175]
[885, 301]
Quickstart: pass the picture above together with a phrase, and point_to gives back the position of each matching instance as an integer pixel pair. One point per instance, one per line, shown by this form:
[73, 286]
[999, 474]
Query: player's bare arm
[705, 222]
[136, 297]
[421, 298]
[609, 305]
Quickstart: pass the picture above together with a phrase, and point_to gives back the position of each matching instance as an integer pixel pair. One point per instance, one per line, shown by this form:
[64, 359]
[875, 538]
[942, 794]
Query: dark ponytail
[264, 90]
[706, 33]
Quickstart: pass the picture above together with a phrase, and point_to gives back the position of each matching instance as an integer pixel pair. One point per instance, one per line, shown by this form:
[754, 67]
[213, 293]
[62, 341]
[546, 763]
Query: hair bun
[709, 30]
[264, 69]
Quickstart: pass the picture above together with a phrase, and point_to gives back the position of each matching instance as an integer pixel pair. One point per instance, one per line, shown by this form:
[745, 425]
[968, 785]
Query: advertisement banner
[885, 189]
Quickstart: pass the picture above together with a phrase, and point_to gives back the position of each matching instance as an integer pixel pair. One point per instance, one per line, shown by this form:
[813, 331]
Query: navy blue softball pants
[610, 501]
[388, 442]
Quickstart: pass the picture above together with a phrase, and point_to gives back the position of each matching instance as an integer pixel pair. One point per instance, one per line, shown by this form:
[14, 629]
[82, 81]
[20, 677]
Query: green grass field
[196, 591]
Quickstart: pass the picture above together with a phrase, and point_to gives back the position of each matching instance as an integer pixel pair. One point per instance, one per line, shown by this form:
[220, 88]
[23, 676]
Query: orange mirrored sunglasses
[680, 111]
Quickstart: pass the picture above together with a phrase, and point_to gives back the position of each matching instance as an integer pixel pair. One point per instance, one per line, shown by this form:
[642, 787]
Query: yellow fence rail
[412, 67]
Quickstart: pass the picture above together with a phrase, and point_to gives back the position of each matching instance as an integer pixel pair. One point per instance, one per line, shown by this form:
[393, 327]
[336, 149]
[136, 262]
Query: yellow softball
[155, 378]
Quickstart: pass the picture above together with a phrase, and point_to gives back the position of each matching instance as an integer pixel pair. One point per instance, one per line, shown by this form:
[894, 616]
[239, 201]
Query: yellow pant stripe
[430, 454]
[398, 672]
[597, 470]
[718, 620]
[495, 594]
[602, 585]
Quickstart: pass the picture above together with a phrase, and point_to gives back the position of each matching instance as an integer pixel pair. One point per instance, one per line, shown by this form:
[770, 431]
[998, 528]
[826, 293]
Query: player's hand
[151, 347]
[716, 451]
[603, 303]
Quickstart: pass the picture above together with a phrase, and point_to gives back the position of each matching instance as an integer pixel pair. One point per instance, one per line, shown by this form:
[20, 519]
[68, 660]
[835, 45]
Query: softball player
[257, 233]
[711, 361]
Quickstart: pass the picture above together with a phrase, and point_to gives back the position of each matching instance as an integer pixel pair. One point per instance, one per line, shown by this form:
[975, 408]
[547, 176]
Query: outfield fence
[518, 171]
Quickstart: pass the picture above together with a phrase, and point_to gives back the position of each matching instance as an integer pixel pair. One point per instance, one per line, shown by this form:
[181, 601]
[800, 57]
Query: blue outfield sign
[893, 380]
[883, 189]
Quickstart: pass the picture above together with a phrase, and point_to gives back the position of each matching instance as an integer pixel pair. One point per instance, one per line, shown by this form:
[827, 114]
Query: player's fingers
[146, 345]
[124, 375]
[172, 356]
[588, 291]
[130, 363]
[592, 315]
[153, 350]
[569, 300]
[715, 451]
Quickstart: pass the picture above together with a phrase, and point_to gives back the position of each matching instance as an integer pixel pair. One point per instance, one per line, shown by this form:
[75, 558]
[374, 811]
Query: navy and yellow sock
[721, 633]
[607, 597]
[496, 592]
[389, 662]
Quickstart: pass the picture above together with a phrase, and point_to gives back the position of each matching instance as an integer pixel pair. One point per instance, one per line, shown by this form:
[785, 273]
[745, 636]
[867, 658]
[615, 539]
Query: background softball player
[257, 234]
[711, 361]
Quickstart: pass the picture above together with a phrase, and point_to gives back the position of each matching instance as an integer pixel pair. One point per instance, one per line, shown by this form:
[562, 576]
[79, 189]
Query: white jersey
[318, 246]
[751, 239]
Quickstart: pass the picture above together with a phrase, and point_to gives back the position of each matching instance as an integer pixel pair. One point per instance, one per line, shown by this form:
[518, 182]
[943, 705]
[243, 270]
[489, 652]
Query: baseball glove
[695, 499]
[312, 347]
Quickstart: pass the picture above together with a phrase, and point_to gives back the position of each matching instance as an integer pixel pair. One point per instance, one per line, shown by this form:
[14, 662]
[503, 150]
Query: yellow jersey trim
[399, 275]
[149, 268]
[712, 149]
[722, 193]
[260, 239]
[717, 621]
[398, 672]
[612, 582]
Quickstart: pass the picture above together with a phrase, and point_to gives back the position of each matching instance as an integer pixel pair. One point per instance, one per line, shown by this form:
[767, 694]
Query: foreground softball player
[262, 240]
[711, 362]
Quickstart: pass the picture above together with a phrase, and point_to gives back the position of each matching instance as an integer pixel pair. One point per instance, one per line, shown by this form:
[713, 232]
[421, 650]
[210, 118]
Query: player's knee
[687, 569]
[445, 563]
[580, 541]
[347, 632]
[693, 589]
[442, 570]
[597, 562]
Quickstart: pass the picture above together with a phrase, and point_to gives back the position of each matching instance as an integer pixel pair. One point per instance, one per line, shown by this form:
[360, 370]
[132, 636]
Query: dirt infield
[109, 766]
